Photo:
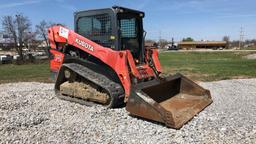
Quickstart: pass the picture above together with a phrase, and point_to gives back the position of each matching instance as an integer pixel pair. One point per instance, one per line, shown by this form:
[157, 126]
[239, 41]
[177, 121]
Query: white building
[5, 41]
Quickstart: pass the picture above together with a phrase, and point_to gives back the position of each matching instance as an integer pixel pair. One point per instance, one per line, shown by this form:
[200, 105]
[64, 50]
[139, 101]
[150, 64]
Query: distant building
[203, 45]
[6, 42]
[1, 37]
[42, 44]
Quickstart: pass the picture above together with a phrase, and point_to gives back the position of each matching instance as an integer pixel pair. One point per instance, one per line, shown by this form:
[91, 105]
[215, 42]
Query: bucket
[173, 100]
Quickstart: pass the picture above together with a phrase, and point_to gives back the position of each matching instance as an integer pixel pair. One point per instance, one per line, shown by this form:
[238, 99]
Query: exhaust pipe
[173, 100]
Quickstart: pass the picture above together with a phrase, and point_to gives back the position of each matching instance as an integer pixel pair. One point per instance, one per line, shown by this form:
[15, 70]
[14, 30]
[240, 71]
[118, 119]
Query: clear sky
[200, 19]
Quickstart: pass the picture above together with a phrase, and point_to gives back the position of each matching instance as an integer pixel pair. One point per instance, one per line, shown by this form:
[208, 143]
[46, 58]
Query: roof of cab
[115, 9]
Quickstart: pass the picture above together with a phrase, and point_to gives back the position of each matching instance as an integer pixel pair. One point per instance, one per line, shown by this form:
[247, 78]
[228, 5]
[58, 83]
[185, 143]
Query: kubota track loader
[104, 60]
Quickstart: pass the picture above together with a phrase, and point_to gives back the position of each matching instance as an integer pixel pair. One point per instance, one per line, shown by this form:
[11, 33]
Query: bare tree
[23, 28]
[10, 27]
[41, 30]
[18, 28]
[162, 43]
[30, 39]
[227, 40]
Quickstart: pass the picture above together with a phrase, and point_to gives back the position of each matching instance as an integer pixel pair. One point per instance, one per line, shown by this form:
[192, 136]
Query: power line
[241, 37]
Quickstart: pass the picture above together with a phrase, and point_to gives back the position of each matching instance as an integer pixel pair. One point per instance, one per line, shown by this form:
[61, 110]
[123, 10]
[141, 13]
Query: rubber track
[115, 90]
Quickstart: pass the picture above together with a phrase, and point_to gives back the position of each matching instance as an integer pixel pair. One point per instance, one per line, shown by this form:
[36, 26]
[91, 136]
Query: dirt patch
[250, 56]
[83, 91]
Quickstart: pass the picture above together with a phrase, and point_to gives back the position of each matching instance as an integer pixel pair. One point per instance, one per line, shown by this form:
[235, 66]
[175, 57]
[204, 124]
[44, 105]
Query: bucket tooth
[173, 100]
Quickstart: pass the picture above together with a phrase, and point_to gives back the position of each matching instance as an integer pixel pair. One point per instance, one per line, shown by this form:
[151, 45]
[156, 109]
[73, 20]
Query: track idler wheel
[70, 75]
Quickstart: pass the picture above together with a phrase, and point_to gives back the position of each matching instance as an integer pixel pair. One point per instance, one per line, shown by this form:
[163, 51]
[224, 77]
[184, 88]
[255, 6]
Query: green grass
[27, 72]
[201, 66]
[249, 48]
[209, 66]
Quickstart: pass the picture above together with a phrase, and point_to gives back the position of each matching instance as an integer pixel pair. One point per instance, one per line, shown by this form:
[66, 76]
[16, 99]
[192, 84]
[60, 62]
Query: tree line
[230, 43]
[18, 28]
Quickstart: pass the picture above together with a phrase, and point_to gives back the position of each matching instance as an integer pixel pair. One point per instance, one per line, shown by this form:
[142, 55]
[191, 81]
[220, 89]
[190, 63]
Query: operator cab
[117, 28]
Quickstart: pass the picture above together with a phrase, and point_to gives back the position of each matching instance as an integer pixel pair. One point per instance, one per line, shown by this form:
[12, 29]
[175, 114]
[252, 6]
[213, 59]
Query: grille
[128, 28]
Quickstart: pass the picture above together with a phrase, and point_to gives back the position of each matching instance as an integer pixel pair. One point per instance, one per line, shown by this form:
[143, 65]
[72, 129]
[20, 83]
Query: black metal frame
[113, 12]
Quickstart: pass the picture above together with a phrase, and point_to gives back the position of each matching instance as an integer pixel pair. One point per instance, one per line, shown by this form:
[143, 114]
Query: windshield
[96, 28]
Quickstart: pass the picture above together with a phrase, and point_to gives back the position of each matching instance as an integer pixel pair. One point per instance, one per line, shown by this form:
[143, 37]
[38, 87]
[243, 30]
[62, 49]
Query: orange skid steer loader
[104, 60]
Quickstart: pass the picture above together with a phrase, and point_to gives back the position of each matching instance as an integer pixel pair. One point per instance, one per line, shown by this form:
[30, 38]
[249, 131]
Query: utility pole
[241, 38]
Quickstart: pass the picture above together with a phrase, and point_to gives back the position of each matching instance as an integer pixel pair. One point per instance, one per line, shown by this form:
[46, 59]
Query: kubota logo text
[84, 44]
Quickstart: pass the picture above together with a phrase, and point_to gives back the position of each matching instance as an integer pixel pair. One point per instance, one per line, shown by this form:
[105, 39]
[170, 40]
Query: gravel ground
[30, 113]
